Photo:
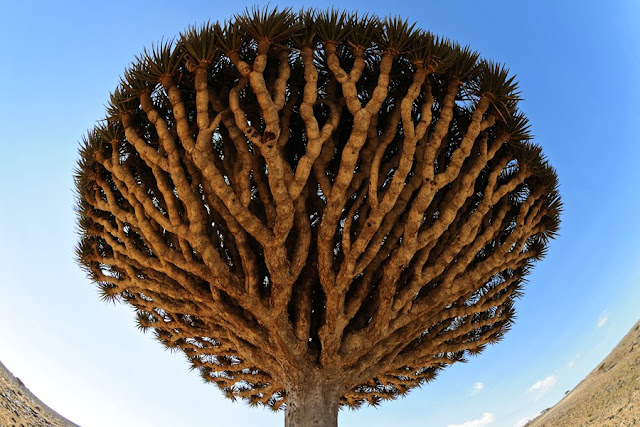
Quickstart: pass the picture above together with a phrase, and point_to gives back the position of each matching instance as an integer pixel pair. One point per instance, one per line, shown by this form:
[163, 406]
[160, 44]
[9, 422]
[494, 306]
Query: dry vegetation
[609, 396]
[20, 408]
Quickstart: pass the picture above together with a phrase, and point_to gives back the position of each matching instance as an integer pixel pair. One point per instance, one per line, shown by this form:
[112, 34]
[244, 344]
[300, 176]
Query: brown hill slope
[19, 407]
[608, 396]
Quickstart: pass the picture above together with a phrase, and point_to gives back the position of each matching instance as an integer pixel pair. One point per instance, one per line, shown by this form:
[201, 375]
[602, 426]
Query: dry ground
[609, 396]
[20, 408]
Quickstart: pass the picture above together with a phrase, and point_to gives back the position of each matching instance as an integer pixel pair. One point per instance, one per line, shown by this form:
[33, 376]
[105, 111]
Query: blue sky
[578, 65]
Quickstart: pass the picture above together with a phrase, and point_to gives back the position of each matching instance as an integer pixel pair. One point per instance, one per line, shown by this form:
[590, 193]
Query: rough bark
[313, 400]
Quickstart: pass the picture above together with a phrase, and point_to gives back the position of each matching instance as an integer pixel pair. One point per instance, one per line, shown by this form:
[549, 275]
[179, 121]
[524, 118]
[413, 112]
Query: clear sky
[578, 65]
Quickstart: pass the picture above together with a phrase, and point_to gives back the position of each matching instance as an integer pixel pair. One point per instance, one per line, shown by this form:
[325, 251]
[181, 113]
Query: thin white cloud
[487, 419]
[602, 320]
[522, 421]
[573, 361]
[541, 387]
[477, 388]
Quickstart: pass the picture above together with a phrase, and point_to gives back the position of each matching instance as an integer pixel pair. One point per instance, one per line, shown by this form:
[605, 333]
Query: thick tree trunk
[312, 401]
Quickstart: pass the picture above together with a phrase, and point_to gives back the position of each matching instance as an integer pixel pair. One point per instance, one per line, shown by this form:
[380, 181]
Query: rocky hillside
[20, 408]
[608, 396]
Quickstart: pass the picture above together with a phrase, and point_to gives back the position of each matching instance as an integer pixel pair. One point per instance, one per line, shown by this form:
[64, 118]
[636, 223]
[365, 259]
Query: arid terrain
[20, 408]
[608, 396]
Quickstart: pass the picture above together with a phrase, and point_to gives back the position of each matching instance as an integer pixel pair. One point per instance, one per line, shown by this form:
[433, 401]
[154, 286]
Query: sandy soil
[20, 408]
[609, 396]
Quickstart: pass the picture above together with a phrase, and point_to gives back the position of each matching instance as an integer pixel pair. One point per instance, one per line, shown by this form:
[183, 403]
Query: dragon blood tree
[319, 209]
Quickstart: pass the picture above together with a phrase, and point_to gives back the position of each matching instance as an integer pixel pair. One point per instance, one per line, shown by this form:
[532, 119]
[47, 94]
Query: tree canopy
[320, 194]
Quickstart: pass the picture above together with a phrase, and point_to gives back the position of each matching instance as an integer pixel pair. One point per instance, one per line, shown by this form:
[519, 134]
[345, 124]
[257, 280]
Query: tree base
[312, 402]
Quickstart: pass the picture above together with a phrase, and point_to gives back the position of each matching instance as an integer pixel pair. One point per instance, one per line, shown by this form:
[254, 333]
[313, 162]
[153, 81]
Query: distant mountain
[608, 396]
[19, 407]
